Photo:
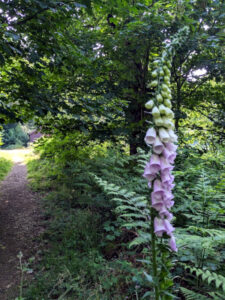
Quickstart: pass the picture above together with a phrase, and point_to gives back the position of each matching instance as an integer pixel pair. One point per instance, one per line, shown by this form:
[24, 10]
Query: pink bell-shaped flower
[164, 213]
[171, 178]
[168, 226]
[171, 147]
[155, 164]
[168, 186]
[162, 226]
[167, 196]
[157, 186]
[158, 146]
[157, 206]
[150, 136]
[159, 227]
[165, 166]
[172, 243]
[165, 176]
[157, 201]
[166, 153]
[169, 155]
[167, 180]
[148, 174]
[172, 157]
[158, 190]
[168, 203]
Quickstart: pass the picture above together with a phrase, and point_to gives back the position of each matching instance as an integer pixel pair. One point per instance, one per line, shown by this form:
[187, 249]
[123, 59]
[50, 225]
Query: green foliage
[199, 211]
[86, 66]
[87, 178]
[206, 275]
[73, 261]
[190, 295]
[14, 136]
[82, 69]
[134, 215]
[5, 166]
[81, 217]
[132, 209]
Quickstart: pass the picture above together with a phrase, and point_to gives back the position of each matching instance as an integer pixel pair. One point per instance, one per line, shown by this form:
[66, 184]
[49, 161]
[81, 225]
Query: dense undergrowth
[95, 205]
[5, 166]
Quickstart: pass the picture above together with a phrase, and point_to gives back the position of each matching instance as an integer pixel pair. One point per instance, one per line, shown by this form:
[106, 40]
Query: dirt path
[19, 220]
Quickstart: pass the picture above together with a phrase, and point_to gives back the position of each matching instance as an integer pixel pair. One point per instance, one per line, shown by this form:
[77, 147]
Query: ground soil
[19, 226]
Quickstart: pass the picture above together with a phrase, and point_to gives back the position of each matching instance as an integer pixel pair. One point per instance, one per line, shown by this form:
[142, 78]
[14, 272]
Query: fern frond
[132, 209]
[208, 276]
[217, 296]
[207, 231]
[143, 238]
[190, 295]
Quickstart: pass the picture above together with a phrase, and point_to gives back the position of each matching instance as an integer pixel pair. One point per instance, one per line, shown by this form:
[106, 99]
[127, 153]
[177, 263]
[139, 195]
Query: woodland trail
[19, 225]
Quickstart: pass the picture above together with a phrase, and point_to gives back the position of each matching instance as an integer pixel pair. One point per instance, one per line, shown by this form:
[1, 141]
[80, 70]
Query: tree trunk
[178, 103]
[136, 133]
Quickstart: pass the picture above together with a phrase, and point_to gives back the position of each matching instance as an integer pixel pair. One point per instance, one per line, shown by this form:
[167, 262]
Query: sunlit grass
[5, 166]
[9, 157]
[16, 155]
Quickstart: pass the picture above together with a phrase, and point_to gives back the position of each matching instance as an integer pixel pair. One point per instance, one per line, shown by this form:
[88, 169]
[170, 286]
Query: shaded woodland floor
[19, 225]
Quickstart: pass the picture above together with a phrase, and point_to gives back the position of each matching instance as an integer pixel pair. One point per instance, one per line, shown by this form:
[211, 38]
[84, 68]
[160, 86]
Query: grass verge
[76, 261]
[5, 167]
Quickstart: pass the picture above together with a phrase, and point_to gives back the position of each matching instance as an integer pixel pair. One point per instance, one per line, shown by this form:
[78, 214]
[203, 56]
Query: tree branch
[30, 17]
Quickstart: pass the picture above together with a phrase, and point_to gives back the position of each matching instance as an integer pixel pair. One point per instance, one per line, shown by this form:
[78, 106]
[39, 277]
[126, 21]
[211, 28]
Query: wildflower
[164, 136]
[150, 136]
[172, 243]
[162, 226]
[158, 146]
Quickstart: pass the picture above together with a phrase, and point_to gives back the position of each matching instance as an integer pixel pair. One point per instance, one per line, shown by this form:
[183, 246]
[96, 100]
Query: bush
[14, 137]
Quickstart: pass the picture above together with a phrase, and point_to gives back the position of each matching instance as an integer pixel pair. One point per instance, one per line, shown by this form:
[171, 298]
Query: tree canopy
[86, 66]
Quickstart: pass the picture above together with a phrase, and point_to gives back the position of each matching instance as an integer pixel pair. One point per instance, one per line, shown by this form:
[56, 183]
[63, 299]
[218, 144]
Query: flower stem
[153, 247]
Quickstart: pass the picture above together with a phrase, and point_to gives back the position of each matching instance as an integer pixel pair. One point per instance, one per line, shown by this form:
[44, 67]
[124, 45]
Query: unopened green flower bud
[167, 103]
[169, 112]
[165, 87]
[169, 64]
[166, 70]
[154, 74]
[167, 79]
[167, 122]
[168, 90]
[164, 94]
[171, 125]
[155, 112]
[156, 63]
[162, 109]
[161, 73]
[159, 98]
[169, 96]
[158, 121]
[149, 104]
[154, 83]
[164, 136]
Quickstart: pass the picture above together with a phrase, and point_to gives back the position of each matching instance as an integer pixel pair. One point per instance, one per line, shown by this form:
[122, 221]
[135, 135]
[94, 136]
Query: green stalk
[153, 247]
[21, 279]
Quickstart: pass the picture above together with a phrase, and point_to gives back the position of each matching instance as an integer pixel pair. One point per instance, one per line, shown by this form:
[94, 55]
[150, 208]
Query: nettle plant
[162, 138]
